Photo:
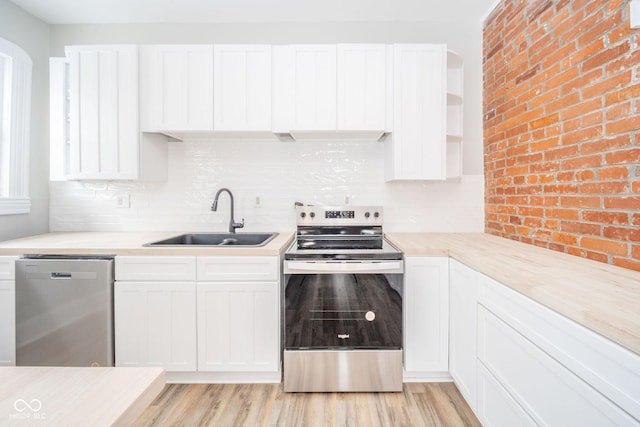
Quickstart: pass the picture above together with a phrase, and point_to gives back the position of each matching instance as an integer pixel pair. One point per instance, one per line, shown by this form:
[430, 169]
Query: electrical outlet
[123, 200]
[634, 9]
[258, 202]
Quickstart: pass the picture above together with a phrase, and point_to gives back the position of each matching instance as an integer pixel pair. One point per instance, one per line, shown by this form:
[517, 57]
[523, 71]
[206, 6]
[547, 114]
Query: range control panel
[338, 215]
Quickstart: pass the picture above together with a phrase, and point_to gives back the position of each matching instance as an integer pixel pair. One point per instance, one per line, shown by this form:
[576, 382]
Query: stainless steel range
[342, 303]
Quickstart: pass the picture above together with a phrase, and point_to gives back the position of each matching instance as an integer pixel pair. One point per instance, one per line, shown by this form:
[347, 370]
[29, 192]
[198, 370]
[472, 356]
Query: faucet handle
[238, 224]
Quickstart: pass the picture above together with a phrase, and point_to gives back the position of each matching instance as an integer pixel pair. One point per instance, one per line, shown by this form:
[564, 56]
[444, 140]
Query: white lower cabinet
[537, 366]
[238, 326]
[7, 311]
[202, 317]
[548, 392]
[155, 324]
[426, 317]
[495, 406]
[463, 294]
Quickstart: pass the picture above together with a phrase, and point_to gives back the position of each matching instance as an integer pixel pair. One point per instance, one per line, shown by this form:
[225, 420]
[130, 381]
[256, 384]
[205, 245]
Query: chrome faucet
[232, 223]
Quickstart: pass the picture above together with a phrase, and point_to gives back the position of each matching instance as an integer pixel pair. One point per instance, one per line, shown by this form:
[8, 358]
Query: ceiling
[128, 11]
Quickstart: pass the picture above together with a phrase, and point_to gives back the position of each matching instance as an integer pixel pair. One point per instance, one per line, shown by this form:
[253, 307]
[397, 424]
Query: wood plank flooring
[420, 404]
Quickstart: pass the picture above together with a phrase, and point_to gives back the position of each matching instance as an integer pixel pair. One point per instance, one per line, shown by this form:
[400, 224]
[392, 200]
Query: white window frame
[15, 130]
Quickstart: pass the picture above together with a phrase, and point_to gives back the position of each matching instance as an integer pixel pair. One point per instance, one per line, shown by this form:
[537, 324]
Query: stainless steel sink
[216, 239]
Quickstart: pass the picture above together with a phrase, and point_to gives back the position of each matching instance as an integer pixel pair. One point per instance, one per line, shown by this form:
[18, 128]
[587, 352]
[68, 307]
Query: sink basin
[216, 239]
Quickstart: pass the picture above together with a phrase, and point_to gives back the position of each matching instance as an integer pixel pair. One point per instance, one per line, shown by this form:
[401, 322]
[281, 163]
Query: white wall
[32, 35]
[280, 173]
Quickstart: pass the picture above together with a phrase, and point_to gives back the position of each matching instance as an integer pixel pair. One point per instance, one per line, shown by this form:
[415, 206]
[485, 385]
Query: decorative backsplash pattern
[266, 178]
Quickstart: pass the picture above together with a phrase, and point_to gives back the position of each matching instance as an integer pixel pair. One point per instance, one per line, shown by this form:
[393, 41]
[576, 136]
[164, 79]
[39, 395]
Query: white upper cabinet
[177, 87]
[104, 112]
[242, 87]
[333, 91]
[417, 149]
[314, 87]
[362, 88]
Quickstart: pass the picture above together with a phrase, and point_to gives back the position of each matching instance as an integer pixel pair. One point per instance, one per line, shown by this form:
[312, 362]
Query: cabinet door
[104, 112]
[177, 87]
[361, 87]
[314, 87]
[418, 143]
[242, 87]
[238, 326]
[7, 323]
[426, 314]
[546, 390]
[463, 294]
[155, 324]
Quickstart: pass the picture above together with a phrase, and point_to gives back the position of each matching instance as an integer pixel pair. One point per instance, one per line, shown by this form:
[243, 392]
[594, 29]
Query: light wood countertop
[76, 396]
[130, 243]
[601, 297]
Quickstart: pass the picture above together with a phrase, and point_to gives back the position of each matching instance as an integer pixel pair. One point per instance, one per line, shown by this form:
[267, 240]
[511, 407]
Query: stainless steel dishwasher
[64, 311]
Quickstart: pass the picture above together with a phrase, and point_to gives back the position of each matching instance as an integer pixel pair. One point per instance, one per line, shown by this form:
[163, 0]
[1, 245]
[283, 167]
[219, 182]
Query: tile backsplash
[266, 178]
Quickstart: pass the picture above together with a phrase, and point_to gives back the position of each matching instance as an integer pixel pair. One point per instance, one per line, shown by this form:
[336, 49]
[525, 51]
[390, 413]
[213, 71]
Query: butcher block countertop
[604, 298]
[76, 396]
[130, 243]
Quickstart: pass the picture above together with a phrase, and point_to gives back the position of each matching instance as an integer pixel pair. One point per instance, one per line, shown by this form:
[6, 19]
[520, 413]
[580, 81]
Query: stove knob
[312, 214]
[302, 214]
[376, 215]
[367, 214]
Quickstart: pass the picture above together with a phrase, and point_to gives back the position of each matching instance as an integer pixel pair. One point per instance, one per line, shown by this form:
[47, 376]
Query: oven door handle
[293, 267]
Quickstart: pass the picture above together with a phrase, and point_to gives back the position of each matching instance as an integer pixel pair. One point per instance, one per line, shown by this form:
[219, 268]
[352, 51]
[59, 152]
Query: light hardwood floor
[420, 404]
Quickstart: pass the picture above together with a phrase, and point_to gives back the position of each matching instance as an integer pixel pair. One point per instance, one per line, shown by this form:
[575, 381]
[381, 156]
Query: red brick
[605, 144]
[627, 263]
[624, 125]
[581, 108]
[581, 135]
[622, 202]
[606, 56]
[597, 256]
[614, 172]
[596, 29]
[606, 217]
[602, 245]
[582, 162]
[580, 201]
[577, 81]
[561, 153]
[631, 155]
[627, 92]
[617, 111]
[605, 187]
[585, 175]
[544, 144]
[603, 86]
[562, 213]
[635, 251]
[580, 228]
[622, 233]
[564, 238]
[543, 200]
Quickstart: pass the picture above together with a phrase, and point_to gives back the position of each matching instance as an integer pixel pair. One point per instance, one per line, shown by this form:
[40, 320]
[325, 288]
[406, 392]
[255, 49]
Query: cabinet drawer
[237, 268]
[609, 368]
[549, 393]
[495, 406]
[7, 267]
[161, 268]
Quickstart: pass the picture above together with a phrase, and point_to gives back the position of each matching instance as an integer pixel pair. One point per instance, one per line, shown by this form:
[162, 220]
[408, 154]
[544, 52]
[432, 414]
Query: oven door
[343, 304]
[343, 325]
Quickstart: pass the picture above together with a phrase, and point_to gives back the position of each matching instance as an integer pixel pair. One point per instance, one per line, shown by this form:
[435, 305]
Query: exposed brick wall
[562, 127]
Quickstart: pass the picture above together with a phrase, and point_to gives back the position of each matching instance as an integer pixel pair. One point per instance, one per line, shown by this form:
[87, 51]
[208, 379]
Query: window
[15, 113]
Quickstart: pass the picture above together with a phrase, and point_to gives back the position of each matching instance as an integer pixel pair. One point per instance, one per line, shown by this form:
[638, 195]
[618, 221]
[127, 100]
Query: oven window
[325, 311]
